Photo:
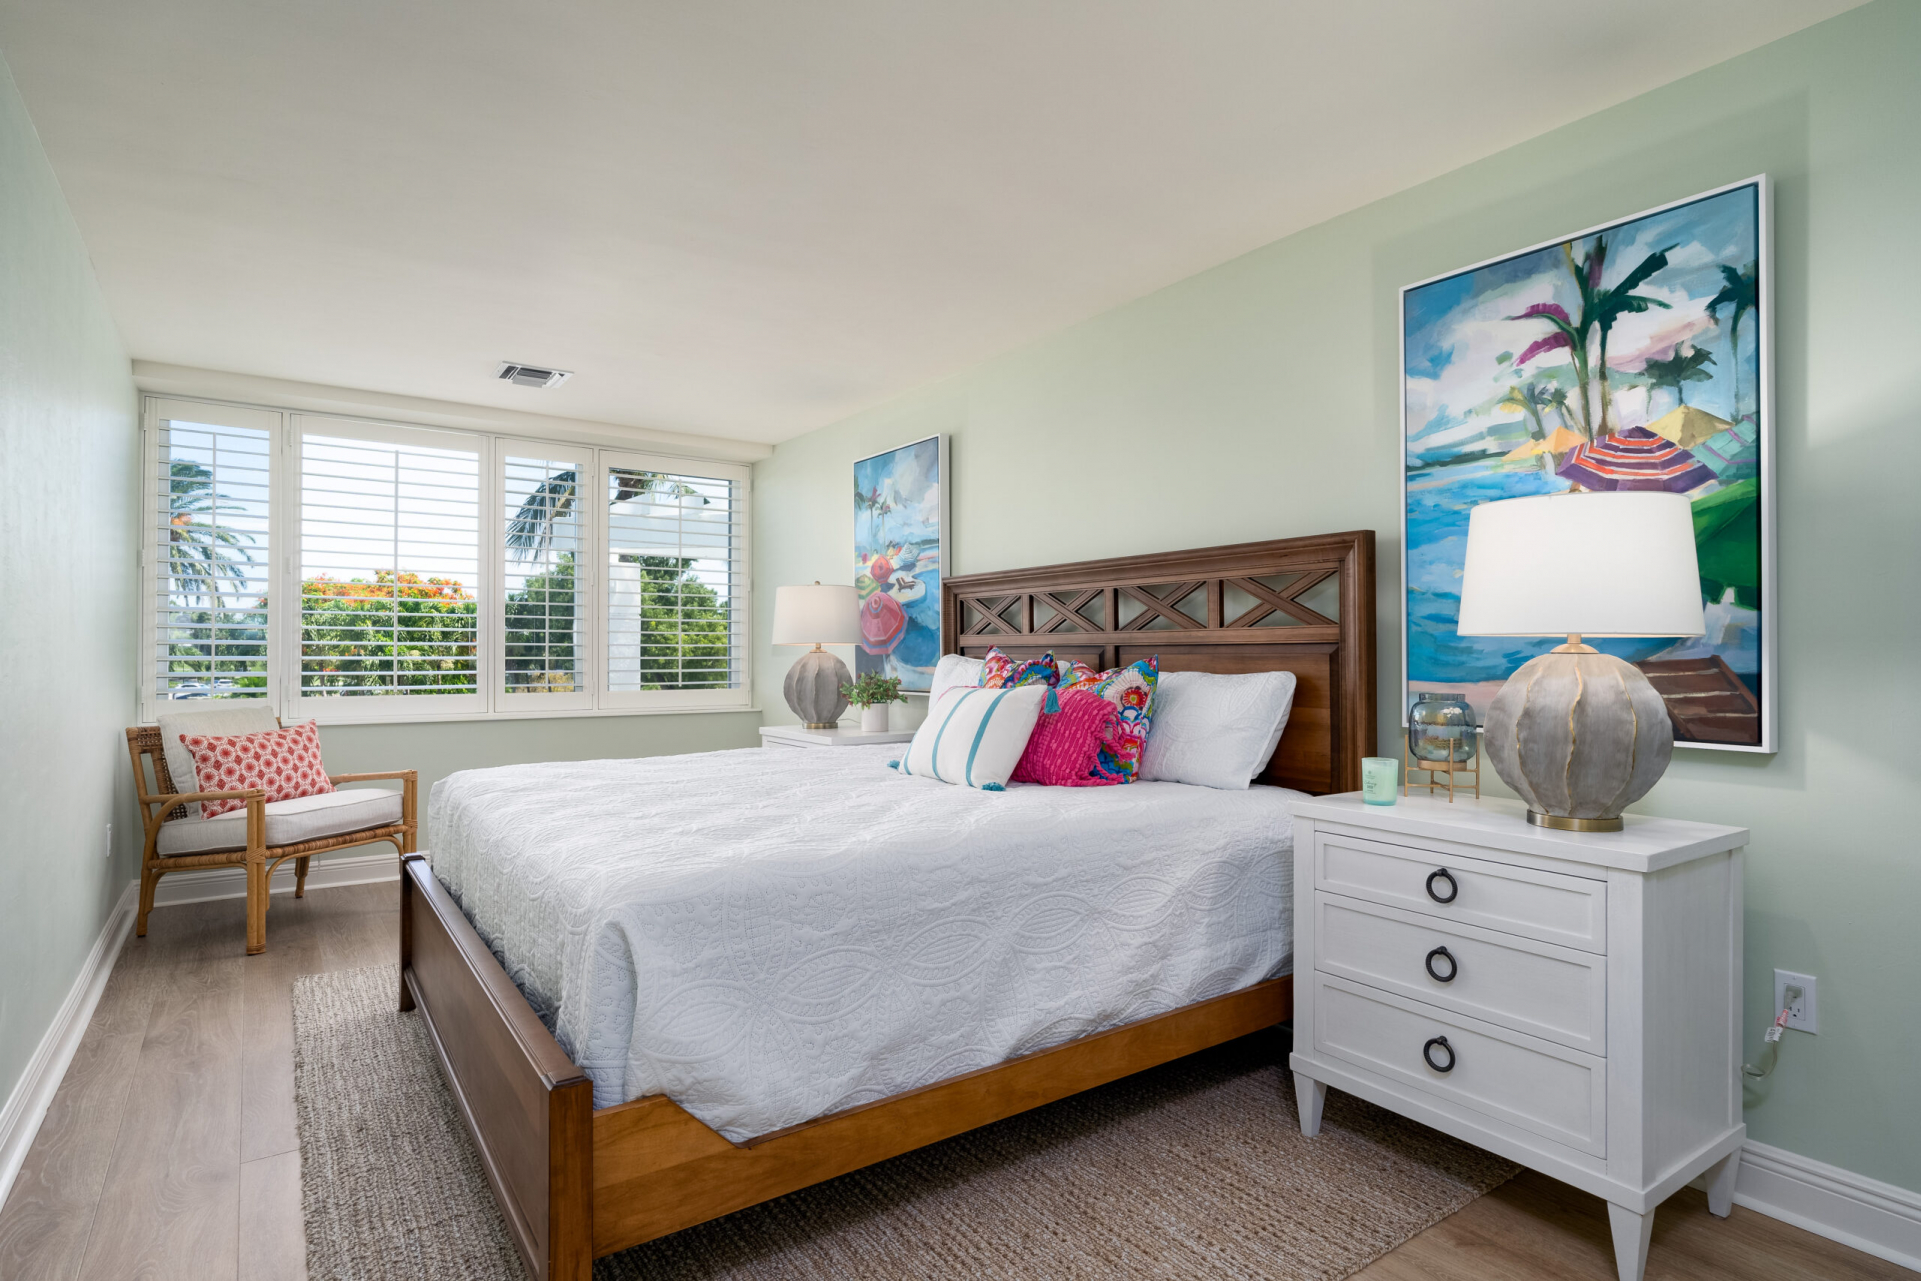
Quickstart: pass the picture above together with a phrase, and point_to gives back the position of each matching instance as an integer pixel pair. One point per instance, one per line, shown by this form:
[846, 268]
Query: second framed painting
[900, 551]
[1635, 355]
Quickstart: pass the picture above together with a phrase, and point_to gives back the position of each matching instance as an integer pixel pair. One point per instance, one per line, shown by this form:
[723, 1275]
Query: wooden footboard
[529, 1108]
[575, 1183]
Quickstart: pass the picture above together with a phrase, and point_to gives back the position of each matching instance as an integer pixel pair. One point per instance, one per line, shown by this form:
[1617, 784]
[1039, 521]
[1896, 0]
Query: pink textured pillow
[283, 763]
[1066, 745]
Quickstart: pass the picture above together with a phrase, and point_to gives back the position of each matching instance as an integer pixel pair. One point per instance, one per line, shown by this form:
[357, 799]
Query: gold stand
[1435, 769]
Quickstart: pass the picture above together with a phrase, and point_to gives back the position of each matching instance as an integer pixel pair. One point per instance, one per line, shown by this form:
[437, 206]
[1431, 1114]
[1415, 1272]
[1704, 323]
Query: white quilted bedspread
[769, 935]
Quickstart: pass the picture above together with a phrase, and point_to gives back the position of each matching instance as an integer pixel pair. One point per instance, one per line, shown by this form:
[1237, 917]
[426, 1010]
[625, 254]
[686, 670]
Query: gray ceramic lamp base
[813, 689]
[1580, 736]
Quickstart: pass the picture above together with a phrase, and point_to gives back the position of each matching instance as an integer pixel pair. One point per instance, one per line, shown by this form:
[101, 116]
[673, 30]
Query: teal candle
[1380, 775]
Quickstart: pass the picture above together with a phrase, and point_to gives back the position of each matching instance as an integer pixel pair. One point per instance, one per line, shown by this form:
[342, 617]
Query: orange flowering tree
[397, 632]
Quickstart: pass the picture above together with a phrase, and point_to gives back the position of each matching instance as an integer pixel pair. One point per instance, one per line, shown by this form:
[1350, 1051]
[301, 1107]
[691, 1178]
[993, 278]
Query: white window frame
[373, 708]
[739, 697]
[493, 702]
[152, 554]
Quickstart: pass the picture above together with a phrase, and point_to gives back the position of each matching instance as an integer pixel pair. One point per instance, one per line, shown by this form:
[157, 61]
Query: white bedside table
[1570, 1000]
[795, 736]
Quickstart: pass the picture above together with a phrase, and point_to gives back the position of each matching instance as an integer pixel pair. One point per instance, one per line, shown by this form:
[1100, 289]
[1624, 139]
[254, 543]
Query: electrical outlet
[1803, 1015]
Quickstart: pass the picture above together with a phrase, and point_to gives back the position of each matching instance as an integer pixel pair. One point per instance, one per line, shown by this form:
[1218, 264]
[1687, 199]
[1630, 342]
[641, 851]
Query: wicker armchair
[163, 814]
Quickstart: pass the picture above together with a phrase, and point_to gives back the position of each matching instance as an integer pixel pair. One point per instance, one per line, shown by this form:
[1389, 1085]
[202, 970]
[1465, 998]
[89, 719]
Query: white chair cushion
[211, 716]
[304, 818]
[1216, 729]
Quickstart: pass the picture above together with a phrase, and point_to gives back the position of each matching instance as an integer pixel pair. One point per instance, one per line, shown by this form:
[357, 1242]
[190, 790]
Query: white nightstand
[1569, 1000]
[795, 736]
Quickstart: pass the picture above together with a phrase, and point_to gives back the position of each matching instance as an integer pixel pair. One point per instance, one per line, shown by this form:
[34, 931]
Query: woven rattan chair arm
[367, 778]
[187, 798]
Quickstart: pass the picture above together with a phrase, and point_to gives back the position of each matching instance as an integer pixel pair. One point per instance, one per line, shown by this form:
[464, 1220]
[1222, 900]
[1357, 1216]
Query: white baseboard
[33, 1094]
[1875, 1217]
[204, 884]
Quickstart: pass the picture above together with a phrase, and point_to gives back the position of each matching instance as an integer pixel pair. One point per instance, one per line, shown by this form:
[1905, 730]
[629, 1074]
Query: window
[544, 629]
[211, 535]
[353, 570]
[675, 572]
[389, 564]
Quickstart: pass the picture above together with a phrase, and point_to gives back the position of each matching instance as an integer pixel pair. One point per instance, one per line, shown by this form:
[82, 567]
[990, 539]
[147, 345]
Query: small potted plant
[872, 693]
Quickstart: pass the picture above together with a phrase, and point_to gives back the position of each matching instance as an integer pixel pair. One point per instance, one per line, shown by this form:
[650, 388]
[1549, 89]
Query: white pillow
[208, 716]
[953, 669]
[974, 737]
[1214, 729]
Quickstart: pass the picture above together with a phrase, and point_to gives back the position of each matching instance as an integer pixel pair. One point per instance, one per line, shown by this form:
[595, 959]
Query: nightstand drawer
[1558, 993]
[1569, 910]
[1534, 1085]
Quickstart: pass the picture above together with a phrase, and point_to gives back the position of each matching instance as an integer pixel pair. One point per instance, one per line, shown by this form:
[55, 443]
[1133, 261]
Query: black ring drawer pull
[1427, 1052]
[1453, 886]
[1453, 966]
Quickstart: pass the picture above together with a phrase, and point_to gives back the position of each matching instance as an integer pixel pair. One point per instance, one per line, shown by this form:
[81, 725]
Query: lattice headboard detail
[1304, 605]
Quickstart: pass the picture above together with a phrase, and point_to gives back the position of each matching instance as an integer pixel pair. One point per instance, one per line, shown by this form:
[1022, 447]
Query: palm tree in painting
[1599, 309]
[1679, 370]
[1741, 294]
[1565, 337]
[202, 553]
[879, 506]
[1532, 399]
[1612, 304]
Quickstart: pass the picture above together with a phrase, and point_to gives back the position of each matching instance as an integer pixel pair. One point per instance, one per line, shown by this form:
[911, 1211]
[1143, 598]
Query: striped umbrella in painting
[1634, 459]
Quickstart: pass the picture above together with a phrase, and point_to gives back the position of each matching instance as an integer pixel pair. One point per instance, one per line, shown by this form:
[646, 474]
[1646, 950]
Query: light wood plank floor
[171, 1151]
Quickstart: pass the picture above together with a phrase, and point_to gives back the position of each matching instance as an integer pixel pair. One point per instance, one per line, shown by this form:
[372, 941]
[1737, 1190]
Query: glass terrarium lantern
[1442, 739]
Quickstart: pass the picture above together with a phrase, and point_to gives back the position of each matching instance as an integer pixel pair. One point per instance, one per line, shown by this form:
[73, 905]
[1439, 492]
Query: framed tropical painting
[900, 545]
[1634, 355]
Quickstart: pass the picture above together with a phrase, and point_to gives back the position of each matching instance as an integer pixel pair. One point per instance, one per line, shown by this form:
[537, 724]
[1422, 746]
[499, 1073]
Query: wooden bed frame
[576, 1182]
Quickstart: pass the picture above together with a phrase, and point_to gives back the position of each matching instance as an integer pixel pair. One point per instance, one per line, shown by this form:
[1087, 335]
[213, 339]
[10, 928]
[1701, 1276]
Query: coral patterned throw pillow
[283, 763]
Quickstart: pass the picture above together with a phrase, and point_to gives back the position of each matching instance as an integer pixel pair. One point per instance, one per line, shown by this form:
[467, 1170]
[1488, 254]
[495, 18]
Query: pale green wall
[69, 504]
[1260, 400]
[437, 749]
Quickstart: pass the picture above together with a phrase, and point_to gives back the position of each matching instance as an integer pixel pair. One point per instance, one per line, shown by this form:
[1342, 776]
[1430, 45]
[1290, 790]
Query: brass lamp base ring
[1561, 824]
[820, 724]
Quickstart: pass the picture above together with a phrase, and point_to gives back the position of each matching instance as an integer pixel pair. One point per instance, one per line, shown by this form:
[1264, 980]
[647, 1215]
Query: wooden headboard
[1303, 605]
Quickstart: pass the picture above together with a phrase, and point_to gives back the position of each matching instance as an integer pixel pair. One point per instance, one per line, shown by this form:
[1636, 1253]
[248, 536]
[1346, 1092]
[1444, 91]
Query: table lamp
[816, 615]
[1580, 735]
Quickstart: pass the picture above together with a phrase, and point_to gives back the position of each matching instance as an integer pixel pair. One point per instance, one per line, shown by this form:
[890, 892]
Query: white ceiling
[748, 218]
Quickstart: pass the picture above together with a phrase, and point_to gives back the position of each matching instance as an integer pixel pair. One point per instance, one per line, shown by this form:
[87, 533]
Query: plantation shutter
[390, 570]
[211, 552]
[676, 583]
[545, 613]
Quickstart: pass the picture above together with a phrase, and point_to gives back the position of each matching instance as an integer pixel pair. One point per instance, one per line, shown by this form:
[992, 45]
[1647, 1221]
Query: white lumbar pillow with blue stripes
[974, 736]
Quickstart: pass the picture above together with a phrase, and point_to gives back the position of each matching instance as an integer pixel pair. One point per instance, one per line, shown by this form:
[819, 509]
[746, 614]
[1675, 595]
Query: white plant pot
[873, 720]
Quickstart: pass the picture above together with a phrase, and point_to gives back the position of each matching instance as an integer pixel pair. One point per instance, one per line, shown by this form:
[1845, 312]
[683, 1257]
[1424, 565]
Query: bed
[780, 967]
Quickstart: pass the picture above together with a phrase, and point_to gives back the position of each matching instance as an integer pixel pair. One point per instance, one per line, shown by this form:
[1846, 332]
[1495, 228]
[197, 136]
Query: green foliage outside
[684, 626]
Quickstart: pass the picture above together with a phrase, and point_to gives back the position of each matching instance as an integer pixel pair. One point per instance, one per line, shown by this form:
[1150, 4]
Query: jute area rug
[1192, 1170]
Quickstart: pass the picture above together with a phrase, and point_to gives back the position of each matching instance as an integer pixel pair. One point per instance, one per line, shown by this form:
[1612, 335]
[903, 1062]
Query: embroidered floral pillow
[998, 671]
[283, 763]
[1131, 690]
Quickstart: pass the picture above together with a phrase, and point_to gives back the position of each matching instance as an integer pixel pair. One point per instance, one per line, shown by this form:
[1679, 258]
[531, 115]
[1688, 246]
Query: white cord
[1773, 1050]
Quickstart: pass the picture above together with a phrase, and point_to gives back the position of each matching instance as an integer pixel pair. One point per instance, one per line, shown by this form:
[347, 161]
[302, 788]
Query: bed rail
[530, 1110]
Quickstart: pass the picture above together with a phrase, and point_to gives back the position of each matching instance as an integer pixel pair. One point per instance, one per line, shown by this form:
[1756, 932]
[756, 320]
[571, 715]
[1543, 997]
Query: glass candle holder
[1440, 727]
[1380, 776]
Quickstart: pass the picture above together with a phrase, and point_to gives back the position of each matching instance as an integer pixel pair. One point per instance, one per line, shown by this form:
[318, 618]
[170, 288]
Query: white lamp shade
[816, 615]
[1608, 564]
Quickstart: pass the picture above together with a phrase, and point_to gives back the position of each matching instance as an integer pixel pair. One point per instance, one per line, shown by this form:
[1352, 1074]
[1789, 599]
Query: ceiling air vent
[532, 375]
